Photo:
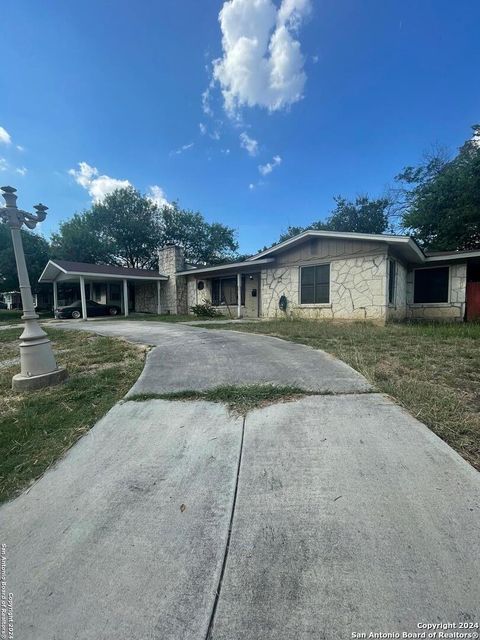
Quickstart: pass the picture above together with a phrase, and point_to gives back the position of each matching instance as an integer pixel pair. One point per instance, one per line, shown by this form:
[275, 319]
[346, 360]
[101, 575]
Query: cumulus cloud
[5, 137]
[22, 171]
[157, 195]
[265, 169]
[262, 63]
[203, 128]
[98, 186]
[3, 164]
[249, 144]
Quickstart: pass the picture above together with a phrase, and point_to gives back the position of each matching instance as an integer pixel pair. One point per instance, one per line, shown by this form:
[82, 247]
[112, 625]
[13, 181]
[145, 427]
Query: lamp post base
[31, 383]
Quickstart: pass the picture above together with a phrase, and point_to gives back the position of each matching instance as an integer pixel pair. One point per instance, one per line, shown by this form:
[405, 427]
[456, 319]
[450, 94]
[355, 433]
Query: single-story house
[315, 274]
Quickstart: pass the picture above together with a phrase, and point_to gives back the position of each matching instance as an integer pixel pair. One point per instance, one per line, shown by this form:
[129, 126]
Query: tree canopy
[127, 229]
[36, 254]
[440, 199]
[362, 215]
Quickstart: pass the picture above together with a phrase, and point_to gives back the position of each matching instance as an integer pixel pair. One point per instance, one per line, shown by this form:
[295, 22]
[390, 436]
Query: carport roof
[61, 269]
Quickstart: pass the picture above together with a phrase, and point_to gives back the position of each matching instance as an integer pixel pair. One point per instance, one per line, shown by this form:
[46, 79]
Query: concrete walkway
[310, 519]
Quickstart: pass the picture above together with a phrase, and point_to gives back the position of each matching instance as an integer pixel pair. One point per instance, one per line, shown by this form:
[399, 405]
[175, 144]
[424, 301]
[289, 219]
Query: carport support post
[239, 295]
[55, 295]
[125, 297]
[83, 298]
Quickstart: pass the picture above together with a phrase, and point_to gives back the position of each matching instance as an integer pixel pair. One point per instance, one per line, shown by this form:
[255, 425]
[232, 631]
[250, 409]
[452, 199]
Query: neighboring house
[316, 274]
[12, 299]
[326, 274]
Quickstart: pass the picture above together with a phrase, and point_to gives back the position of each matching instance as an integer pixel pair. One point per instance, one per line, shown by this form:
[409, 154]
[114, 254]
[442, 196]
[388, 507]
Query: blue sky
[307, 100]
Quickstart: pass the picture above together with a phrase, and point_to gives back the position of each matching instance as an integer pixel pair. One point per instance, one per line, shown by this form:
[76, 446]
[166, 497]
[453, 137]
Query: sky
[254, 112]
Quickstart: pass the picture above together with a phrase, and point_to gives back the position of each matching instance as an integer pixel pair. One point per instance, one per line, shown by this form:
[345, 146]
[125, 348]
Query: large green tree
[36, 255]
[440, 198]
[362, 215]
[127, 229]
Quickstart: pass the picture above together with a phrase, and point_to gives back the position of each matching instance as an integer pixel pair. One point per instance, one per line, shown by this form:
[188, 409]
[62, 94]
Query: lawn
[37, 428]
[433, 370]
[14, 316]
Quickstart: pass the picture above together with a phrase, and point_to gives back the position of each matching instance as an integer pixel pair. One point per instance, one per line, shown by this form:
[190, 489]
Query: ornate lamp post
[38, 366]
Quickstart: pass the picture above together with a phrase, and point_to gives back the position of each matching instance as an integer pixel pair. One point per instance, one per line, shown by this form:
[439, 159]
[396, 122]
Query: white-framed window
[315, 284]
[431, 285]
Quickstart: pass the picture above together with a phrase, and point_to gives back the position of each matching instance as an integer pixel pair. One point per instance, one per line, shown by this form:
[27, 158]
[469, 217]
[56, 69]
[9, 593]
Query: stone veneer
[454, 309]
[173, 292]
[357, 290]
[146, 297]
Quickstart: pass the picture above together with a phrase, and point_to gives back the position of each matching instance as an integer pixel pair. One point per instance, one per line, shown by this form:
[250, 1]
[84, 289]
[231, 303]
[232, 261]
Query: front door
[473, 301]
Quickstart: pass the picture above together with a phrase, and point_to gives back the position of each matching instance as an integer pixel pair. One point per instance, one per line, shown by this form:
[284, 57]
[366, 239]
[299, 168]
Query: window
[115, 294]
[315, 284]
[392, 281]
[431, 285]
[224, 291]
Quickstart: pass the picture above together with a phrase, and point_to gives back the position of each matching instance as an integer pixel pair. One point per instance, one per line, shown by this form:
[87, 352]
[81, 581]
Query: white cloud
[249, 144]
[265, 169]
[98, 186]
[251, 186]
[203, 128]
[181, 149]
[22, 171]
[206, 108]
[157, 195]
[3, 164]
[262, 64]
[4, 136]
[20, 148]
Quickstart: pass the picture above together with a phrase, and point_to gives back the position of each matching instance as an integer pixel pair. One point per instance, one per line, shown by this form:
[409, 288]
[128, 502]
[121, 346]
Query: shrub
[206, 310]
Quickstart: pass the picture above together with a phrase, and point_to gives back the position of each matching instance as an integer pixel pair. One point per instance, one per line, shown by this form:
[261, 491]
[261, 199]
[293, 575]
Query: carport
[101, 281]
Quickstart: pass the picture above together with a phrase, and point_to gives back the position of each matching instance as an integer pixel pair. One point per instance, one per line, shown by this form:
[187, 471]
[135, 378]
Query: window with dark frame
[315, 284]
[392, 281]
[431, 285]
[224, 291]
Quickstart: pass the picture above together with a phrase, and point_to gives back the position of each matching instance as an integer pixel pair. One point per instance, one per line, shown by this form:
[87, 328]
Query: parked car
[74, 310]
[3, 305]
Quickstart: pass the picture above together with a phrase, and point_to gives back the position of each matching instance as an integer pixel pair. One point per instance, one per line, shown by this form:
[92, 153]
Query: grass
[433, 369]
[239, 400]
[14, 316]
[36, 428]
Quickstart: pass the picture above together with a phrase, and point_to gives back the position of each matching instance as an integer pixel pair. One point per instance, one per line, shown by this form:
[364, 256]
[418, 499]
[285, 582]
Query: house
[316, 274]
[334, 275]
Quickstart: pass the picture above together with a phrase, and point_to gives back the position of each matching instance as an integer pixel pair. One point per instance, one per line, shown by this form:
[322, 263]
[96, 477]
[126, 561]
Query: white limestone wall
[146, 297]
[454, 309]
[357, 289]
[249, 310]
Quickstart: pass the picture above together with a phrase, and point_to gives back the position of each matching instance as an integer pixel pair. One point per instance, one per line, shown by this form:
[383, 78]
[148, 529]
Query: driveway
[330, 515]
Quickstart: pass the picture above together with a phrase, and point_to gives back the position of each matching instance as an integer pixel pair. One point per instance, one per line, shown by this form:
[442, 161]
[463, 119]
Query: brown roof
[105, 269]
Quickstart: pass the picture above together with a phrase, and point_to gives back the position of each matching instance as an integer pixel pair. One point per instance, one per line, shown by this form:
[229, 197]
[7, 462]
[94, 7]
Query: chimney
[173, 292]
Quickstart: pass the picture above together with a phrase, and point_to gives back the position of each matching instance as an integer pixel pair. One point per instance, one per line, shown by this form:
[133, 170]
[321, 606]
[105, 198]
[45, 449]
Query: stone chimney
[173, 292]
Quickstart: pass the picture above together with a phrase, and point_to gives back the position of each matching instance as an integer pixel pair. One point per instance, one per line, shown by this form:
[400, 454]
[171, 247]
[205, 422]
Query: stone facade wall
[358, 279]
[173, 296]
[146, 297]
[454, 309]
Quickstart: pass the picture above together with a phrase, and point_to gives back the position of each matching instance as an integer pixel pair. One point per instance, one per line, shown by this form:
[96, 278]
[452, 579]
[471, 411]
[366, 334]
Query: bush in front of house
[206, 310]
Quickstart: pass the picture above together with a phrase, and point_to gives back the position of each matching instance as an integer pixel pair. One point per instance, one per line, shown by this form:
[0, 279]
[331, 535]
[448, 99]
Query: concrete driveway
[319, 518]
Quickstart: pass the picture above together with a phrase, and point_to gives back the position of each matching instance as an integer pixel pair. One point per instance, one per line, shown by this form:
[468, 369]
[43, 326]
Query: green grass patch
[14, 316]
[239, 400]
[37, 428]
[432, 369]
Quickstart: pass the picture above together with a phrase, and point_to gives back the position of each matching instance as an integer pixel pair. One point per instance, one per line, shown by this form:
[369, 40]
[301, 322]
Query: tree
[127, 229]
[202, 242]
[440, 199]
[363, 215]
[123, 229]
[36, 255]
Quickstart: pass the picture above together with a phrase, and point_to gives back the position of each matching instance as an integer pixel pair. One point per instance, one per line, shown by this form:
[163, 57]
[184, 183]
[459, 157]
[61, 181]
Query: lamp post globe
[38, 367]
